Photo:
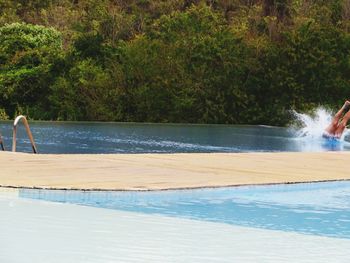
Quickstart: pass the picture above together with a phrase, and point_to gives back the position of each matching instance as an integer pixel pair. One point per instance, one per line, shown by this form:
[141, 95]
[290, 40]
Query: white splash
[309, 129]
[313, 125]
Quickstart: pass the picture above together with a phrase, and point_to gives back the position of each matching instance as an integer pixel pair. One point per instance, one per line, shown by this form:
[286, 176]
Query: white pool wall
[39, 231]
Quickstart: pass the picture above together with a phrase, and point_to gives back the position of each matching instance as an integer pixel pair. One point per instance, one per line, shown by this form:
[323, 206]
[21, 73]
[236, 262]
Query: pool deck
[168, 171]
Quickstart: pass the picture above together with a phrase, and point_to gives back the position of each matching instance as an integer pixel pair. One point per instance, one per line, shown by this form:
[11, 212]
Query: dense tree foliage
[27, 55]
[198, 61]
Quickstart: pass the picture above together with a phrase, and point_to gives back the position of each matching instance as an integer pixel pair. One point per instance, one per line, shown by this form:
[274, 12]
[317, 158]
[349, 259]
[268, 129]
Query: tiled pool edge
[10, 187]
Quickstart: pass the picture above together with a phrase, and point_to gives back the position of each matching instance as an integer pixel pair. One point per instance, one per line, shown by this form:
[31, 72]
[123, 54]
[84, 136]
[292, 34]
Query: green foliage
[189, 68]
[309, 67]
[200, 61]
[3, 115]
[27, 55]
[20, 37]
[82, 94]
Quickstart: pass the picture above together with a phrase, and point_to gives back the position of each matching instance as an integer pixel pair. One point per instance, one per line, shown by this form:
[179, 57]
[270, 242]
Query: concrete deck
[168, 171]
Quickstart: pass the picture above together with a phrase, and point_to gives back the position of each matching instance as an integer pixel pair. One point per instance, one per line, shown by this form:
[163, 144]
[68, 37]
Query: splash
[312, 125]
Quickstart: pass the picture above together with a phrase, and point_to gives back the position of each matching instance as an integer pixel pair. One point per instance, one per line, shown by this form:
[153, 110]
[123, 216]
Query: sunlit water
[68, 137]
[318, 208]
[39, 231]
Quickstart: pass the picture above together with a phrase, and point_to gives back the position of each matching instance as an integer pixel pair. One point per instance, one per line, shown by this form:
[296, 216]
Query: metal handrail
[2, 143]
[25, 122]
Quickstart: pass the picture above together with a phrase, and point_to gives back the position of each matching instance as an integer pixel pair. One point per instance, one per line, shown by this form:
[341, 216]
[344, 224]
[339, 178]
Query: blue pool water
[70, 137]
[317, 208]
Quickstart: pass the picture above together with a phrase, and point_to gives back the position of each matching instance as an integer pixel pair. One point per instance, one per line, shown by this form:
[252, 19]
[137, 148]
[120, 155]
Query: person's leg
[333, 126]
[342, 125]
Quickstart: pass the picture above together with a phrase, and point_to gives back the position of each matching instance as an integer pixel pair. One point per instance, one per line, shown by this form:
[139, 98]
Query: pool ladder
[14, 137]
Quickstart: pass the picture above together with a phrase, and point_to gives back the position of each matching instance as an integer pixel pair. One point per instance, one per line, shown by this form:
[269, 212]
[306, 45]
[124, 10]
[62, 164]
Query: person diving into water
[338, 124]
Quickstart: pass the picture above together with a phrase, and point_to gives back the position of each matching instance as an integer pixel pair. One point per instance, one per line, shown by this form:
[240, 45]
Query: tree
[188, 68]
[278, 8]
[28, 53]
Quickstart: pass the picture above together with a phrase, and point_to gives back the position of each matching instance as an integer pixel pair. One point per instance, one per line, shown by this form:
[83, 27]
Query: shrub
[28, 55]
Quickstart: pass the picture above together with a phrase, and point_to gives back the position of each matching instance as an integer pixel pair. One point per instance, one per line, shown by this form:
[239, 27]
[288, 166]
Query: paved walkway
[168, 171]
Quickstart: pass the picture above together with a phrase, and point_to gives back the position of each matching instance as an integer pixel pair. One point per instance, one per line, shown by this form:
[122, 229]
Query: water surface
[70, 137]
[318, 208]
[54, 232]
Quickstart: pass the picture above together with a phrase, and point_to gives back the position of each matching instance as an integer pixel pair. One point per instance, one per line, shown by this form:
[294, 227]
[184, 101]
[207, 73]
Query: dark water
[61, 137]
[317, 209]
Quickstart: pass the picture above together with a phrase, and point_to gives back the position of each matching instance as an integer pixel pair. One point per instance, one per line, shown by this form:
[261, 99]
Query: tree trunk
[268, 7]
[188, 3]
[278, 8]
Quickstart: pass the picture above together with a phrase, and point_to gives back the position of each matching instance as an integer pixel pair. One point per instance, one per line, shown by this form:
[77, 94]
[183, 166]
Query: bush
[199, 61]
[310, 67]
[84, 94]
[188, 68]
[28, 55]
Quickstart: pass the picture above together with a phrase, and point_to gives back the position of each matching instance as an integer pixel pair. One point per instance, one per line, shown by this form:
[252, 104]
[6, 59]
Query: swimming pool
[51, 232]
[306, 222]
[321, 209]
[70, 137]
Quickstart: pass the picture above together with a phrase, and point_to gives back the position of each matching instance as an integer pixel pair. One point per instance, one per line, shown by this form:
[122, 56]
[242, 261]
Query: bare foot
[346, 106]
[338, 135]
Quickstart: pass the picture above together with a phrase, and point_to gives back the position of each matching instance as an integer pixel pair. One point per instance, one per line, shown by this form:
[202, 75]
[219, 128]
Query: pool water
[70, 137]
[61, 232]
[321, 209]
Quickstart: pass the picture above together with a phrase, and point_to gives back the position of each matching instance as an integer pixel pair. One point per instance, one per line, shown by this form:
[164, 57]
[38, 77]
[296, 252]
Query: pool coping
[167, 189]
[147, 172]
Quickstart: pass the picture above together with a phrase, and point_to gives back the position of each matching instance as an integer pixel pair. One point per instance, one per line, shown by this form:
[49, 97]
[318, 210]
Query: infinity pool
[302, 222]
[70, 137]
[319, 208]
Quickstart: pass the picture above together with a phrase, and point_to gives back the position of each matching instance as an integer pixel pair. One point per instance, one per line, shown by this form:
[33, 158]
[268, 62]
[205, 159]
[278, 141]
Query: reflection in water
[318, 208]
